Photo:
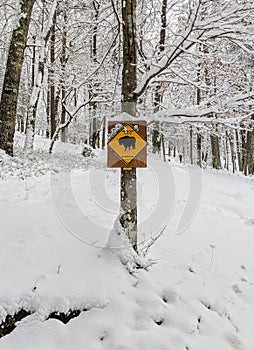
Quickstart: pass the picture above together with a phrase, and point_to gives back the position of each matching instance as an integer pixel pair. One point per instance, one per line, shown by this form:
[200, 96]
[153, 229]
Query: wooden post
[128, 218]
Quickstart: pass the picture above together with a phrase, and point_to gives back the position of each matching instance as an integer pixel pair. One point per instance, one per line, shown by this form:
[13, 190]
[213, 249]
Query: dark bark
[199, 137]
[239, 152]
[158, 93]
[94, 127]
[96, 7]
[52, 83]
[216, 162]
[94, 138]
[32, 77]
[163, 25]
[63, 88]
[250, 151]
[244, 152]
[191, 145]
[103, 142]
[156, 140]
[199, 149]
[48, 110]
[163, 147]
[10, 91]
[232, 149]
[174, 151]
[226, 160]
[63, 117]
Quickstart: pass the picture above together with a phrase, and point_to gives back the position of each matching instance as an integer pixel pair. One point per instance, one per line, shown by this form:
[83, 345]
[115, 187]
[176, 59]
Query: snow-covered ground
[54, 228]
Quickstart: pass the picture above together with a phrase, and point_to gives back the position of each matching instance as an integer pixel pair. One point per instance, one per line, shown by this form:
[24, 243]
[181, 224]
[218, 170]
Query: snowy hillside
[54, 231]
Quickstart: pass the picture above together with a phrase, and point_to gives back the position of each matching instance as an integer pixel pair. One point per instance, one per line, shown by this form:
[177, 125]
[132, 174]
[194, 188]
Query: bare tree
[9, 97]
[38, 80]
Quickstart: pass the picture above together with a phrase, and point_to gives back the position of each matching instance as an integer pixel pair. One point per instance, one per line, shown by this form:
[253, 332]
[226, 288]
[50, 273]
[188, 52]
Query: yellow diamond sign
[127, 143]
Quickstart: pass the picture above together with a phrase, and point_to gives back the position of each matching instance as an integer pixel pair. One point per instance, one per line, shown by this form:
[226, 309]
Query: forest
[189, 73]
[126, 174]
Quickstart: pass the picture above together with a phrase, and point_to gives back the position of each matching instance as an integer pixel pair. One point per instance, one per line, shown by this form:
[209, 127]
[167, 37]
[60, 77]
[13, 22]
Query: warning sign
[127, 144]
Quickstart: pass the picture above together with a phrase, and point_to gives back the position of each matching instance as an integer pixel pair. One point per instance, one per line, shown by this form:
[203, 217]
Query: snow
[124, 117]
[202, 113]
[114, 131]
[59, 252]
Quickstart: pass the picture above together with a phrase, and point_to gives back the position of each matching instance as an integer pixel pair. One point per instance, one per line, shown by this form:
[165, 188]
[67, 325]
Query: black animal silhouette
[128, 142]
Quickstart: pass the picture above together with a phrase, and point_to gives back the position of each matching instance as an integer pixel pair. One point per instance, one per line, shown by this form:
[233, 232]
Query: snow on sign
[127, 144]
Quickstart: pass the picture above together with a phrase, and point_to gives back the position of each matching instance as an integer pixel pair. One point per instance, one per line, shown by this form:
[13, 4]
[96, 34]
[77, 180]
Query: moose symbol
[128, 142]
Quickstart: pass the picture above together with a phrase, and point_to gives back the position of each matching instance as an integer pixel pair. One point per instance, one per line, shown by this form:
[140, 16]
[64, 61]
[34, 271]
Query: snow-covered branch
[62, 126]
[227, 23]
[202, 113]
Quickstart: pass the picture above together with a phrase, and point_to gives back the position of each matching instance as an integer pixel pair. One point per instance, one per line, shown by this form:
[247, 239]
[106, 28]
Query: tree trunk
[128, 217]
[103, 142]
[9, 98]
[215, 152]
[226, 150]
[156, 139]
[250, 151]
[199, 137]
[38, 80]
[63, 117]
[169, 150]
[129, 75]
[174, 151]
[244, 152]
[32, 81]
[191, 145]
[239, 151]
[163, 147]
[48, 109]
[94, 122]
[156, 136]
[63, 88]
[52, 82]
[232, 149]
[158, 93]
[199, 149]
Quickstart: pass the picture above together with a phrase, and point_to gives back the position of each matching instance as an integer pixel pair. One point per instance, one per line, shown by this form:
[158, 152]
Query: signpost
[127, 141]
